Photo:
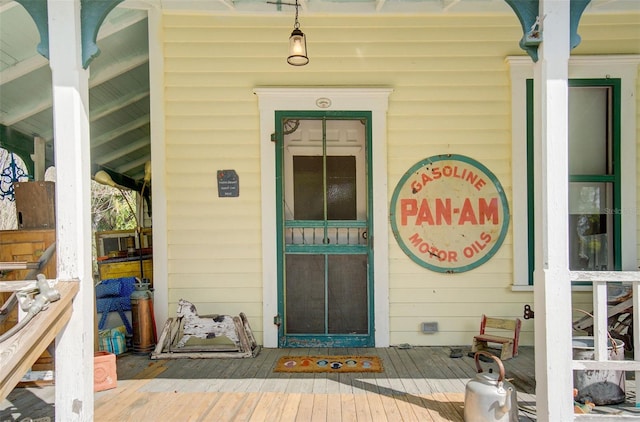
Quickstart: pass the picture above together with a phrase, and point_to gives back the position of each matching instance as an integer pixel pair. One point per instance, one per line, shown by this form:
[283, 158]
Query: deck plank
[320, 403]
[225, 408]
[376, 407]
[348, 408]
[246, 409]
[290, 407]
[417, 384]
[305, 408]
[363, 411]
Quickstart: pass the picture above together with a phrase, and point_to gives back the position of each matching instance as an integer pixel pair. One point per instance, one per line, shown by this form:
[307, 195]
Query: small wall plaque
[228, 184]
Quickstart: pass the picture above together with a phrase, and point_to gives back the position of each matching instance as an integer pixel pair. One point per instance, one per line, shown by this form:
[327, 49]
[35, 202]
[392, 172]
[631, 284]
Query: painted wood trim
[552, 286]
[158, 168]
[70, 87]
[373, 99]
[613, 365]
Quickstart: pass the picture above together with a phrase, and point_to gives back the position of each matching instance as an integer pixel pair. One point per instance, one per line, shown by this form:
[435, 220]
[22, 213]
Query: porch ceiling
[119, 77]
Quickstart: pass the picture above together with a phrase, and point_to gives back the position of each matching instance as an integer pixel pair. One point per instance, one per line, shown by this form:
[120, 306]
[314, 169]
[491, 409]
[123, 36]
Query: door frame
[374, 100]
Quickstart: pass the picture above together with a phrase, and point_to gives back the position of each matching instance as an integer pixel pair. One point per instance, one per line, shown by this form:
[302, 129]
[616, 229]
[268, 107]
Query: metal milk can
[143, 320]
[488, 397]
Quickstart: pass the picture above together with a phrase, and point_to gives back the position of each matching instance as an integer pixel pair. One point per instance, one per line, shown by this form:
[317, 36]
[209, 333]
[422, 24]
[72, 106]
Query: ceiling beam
[140, 174]
[22, 68]
[110, 72]
[119, 104]
[118, 68]
[119, 131]
[133, 164]
[105, 159]
[17, 114]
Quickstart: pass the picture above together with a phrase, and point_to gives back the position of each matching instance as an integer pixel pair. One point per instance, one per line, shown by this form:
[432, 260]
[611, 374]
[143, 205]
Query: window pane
[308, 188]
[588, 130]
[341, 188]
[590, 226]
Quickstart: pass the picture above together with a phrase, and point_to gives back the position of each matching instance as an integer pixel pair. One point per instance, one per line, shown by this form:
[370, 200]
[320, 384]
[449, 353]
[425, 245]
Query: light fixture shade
[297, 49]
[103, 178]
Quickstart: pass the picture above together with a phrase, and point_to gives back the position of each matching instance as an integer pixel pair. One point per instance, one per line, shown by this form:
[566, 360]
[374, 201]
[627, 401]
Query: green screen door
[325, 277]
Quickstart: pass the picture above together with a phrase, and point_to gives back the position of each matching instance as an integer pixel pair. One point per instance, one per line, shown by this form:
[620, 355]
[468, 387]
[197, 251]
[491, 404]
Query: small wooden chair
[509, 344]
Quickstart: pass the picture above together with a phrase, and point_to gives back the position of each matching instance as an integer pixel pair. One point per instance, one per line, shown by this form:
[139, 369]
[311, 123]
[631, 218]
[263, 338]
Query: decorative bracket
[92, 14]
[39, 14]
[528, 12]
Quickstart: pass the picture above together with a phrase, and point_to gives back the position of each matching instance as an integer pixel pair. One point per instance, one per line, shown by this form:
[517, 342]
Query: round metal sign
[449, 213]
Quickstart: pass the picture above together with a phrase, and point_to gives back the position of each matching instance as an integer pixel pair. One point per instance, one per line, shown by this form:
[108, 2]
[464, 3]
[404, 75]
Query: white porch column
[552, 290]
[74, 344]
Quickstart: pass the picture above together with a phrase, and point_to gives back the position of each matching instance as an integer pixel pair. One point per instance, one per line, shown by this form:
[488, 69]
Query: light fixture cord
[297, 24]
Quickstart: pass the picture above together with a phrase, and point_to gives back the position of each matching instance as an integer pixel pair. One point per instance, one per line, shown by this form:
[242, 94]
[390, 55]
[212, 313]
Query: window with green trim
[594, 175]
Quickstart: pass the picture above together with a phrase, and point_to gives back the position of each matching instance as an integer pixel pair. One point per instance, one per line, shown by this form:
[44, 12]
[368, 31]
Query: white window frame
[340, 99]
[623, 67]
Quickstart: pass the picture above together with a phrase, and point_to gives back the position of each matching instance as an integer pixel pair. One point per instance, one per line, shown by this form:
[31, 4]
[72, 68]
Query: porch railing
[19, 352]
[599, 280]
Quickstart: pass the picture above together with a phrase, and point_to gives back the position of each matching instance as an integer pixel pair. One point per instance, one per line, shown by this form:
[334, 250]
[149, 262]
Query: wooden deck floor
[417, 384]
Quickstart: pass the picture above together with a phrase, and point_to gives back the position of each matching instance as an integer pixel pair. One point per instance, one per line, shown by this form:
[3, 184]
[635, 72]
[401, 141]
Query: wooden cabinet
[27, 246]
[118, 254]
[126, 267]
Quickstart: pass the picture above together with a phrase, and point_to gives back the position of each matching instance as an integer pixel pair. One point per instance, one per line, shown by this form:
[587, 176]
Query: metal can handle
[495, 358]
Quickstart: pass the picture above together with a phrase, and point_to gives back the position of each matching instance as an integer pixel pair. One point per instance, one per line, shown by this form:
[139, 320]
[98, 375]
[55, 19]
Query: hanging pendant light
[297, 44]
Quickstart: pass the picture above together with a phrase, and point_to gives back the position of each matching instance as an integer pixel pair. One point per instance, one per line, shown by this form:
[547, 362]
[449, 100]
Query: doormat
[302, 364]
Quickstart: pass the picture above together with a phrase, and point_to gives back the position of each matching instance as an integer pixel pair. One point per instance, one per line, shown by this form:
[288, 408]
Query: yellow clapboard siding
[629, 46]
[382, 63]
[221, 279]
[209, 166]
[436, 311]
[211, 150]
[398, 164]
[373, 22]
[470, 324]
[218, 295]
[271, 47]
[450, 108]
[238, 265]
[253, 310]
[496, 265]
[209, 137]
[228, 250]
[205, 107]
[357, 34]
[451, 94]
[460, 281]
[202, 122]
[453, 295]
[203, 236]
